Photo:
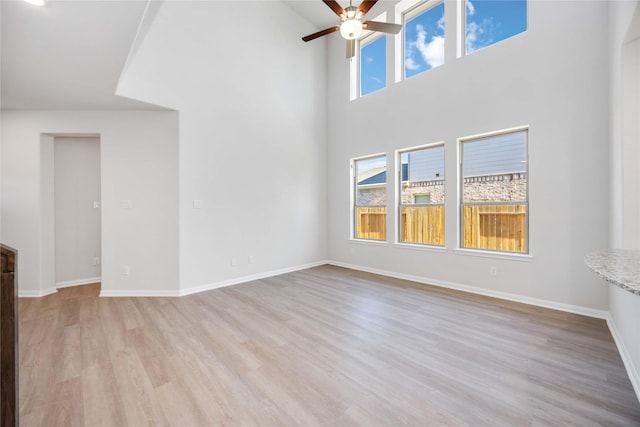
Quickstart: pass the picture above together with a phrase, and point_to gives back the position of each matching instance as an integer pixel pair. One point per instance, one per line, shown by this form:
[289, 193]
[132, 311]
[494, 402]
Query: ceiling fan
[351, 27]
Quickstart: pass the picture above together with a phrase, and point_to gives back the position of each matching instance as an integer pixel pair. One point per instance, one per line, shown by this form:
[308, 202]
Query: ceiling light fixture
[36, 2]
[351, 29]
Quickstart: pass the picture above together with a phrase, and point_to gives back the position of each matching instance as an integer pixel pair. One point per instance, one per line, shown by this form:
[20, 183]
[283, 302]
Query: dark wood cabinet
[8, 339]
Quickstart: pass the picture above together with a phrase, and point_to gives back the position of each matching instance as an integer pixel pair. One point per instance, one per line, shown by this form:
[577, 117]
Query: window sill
[369, 242]
[426, 248]
[495, 255]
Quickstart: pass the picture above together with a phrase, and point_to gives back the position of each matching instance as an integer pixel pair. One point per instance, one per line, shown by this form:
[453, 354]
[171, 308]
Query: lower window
[421, 218]
[370, 198]
[494, 208]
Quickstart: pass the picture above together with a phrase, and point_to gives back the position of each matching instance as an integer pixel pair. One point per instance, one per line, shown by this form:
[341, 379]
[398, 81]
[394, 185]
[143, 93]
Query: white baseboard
[244, 279]
[28, 293]
[139, 293]
[590, 312]
[79, 282]
[206, 287]
[626, 357]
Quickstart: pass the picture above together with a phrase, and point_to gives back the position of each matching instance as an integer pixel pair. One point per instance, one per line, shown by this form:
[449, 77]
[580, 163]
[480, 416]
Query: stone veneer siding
[435, 189]
[372, 196]
[509, 187]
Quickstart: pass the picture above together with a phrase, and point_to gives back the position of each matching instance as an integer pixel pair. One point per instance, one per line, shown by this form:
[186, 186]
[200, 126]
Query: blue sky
[487, 22]
[424, 41]
[365, 165]
[373, 66]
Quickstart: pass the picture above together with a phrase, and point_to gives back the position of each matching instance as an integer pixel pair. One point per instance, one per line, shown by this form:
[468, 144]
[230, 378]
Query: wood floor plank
[323, 346]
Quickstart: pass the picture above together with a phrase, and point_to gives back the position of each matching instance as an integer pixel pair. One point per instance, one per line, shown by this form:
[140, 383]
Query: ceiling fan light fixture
[36, 2]
[351, 29]
[350, 12]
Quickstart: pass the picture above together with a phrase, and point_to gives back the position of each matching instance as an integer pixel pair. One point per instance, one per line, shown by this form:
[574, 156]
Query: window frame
[462, 29]
[400, 205]
[460, 211]
[368, 38]
[412, 11]
[354, 198]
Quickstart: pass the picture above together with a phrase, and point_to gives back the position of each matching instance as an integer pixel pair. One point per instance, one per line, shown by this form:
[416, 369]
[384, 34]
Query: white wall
[631, 136]
[547, 78]
[252, 102]
[77, 218]
[138, 163]
[624, 48]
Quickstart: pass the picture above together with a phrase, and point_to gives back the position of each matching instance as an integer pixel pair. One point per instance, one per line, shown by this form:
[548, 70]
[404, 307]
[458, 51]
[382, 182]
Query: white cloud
[432, 51]
[479, 34]
[472, 36]
[471, 9]
[411, 64]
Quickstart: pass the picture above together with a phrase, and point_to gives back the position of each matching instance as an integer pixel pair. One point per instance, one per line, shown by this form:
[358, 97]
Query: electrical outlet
[234, 262]
[493, 271]
[96, 260]
[126, 270]
[96, 205]
[251, 259]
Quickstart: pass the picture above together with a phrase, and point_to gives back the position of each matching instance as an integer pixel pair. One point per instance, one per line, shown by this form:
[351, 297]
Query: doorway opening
[77, 210]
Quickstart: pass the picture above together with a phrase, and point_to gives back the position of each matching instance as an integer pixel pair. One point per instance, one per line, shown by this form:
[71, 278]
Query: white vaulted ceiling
[70, 54]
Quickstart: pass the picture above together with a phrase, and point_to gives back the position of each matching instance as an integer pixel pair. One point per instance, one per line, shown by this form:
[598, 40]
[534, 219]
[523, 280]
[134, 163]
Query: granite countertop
[619, 267]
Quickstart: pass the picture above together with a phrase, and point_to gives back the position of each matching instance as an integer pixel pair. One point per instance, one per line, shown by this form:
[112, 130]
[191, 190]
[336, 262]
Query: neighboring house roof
[370, 173]
[380, 177]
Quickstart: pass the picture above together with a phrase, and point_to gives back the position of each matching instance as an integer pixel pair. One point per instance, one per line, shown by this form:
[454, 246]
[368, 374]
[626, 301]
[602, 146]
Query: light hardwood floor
[325, 346]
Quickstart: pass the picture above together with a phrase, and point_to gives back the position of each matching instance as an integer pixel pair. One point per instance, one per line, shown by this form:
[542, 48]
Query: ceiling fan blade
[365, 6]
[321, 33]
[351, 49]
[382, 27]
[337, 9]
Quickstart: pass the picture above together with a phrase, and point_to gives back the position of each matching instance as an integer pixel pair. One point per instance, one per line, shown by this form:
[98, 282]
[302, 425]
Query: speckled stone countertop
[620, 267]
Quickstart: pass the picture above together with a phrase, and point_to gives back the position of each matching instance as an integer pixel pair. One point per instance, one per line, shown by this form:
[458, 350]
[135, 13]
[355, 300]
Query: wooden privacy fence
[495, 227]
[371, 223]
[420, 224]
[423, 224]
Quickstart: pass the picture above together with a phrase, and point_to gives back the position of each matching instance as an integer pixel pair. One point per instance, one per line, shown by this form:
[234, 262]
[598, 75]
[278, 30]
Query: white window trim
[398, 195]
[462, 29]
[352, 204]
[354, 64]
[405, 10]
[363, 41]
[488, 253]
[495, 254]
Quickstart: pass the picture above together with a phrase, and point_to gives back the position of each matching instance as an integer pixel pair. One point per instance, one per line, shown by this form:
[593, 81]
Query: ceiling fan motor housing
[351, 29]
